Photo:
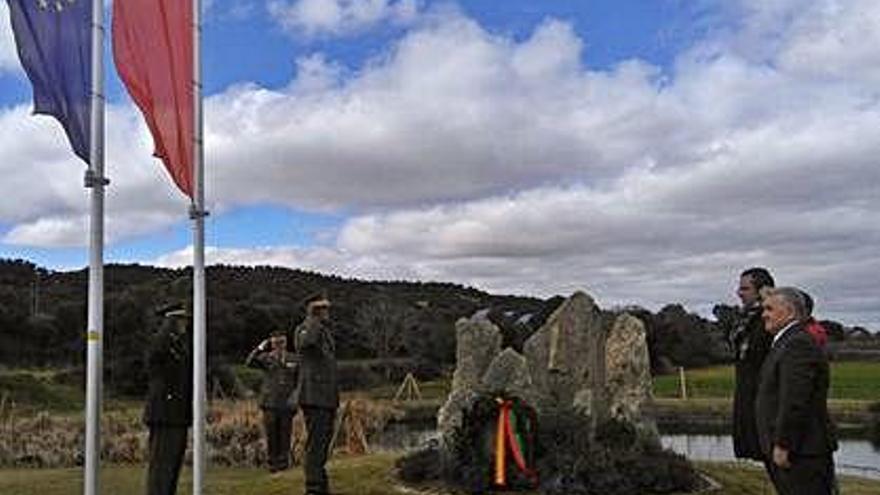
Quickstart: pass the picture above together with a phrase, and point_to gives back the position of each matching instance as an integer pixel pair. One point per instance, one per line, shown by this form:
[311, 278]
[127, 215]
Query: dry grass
[234, 434]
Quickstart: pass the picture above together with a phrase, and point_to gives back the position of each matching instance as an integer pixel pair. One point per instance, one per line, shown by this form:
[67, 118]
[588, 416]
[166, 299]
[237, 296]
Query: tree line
[43, 318]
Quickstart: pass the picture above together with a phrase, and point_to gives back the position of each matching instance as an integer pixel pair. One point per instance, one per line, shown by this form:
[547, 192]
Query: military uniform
[318, 397]
[277, 402]
[168, 411]
[750, 343]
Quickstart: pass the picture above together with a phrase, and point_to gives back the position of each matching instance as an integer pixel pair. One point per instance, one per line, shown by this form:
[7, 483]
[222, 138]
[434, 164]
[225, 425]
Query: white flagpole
[95, 180]
[198, 213]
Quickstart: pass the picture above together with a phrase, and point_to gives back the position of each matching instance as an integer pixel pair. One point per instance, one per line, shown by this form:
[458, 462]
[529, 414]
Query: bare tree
[383, 324]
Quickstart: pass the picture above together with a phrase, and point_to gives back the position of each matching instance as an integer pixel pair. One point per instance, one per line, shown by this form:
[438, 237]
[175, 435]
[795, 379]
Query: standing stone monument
[562, 353]
[628, 380]
[478, 341]
[580, 358]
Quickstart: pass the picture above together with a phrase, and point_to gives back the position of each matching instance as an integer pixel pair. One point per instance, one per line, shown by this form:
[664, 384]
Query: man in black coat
[168, 411]
[794, 427]
[317, 389]
[276, 395]
[750, 344]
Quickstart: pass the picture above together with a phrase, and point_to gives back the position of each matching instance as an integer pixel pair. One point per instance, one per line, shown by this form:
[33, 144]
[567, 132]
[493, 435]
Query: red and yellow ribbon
[506, 437]
[500, 437]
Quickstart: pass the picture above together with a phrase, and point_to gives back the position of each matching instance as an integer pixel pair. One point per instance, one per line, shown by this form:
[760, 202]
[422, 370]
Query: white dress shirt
[780, 333]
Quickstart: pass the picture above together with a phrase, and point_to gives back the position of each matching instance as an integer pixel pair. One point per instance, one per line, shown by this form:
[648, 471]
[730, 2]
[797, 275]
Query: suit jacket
[317, 385]
[169, 361]
[279, 382]
[791, 406]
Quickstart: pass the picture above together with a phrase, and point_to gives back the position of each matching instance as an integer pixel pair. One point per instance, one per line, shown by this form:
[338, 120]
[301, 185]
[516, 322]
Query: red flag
[153, 51]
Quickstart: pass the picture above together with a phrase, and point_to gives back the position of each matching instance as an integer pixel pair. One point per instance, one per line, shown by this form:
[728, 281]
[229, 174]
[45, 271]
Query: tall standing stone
[559, 353]
[478, 341]
[629, 373]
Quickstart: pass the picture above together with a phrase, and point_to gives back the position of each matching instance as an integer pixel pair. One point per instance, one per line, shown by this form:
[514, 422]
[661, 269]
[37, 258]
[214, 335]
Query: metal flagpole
[95, 180]
[198, 214]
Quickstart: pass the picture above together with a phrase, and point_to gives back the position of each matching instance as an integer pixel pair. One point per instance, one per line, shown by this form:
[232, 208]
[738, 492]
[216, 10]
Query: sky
[643, 151]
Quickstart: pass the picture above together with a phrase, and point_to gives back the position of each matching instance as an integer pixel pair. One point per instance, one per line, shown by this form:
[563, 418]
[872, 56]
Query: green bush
[39, 391]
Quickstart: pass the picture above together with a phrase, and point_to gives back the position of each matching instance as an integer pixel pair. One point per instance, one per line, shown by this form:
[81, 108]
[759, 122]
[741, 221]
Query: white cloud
[474, 157]
[325, 259]
[340, 17]
[549, 177]
[48, 204]
[49, 231]
[452, 112]
[834, 39]
[8, 56]
[819, 39]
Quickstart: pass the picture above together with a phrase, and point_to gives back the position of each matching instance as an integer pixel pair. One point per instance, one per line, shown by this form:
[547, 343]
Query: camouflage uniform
[277, 402]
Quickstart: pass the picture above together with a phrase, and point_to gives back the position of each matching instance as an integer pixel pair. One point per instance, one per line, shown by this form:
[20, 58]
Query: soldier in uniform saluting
[168, 411]
[317, 390]
[276, 395]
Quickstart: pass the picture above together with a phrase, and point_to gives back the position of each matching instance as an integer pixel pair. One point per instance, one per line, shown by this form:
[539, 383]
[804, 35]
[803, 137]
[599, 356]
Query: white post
[198, 214]
[682, 382]
[95, 180]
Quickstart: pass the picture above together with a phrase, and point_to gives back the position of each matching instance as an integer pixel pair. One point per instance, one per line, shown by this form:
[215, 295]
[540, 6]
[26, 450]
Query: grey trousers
[167, 446]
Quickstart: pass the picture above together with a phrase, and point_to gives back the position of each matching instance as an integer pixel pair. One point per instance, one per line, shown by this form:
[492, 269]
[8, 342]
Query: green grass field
[854, 385]
[849, 381]
[37, 390]
[369, 475]
[358, 475]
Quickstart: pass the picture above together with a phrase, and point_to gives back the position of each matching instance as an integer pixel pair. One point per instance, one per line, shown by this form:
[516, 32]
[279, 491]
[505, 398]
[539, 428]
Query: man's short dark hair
[808, 303]
[760, 277]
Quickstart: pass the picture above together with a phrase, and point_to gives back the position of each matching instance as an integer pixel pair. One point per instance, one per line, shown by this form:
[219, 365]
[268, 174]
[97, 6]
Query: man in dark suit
[750, 344]
[276, 395]
[317, 389]
[794, 428]
[168, 411]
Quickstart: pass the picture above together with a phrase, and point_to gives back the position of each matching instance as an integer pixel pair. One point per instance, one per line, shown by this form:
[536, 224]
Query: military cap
[319, 299]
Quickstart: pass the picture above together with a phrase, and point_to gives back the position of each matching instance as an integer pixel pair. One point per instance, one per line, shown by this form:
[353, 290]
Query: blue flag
[54, 44]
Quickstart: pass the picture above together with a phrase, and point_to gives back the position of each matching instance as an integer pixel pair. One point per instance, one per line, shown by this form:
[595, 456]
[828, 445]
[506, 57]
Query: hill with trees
[43, 319]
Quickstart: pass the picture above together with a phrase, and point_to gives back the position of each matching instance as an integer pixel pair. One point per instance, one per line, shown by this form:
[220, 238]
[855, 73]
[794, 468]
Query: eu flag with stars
[53, 38]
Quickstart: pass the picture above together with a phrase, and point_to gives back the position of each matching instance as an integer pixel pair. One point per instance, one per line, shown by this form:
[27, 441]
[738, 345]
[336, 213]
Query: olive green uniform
[277, 403]
[168, 411]
[318, 396]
